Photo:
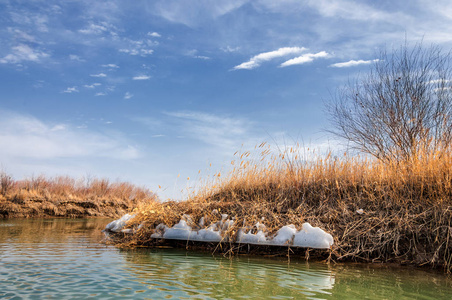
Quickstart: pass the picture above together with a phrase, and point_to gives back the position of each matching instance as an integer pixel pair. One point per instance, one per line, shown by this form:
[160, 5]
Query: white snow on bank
[118, 225]
[307, 237]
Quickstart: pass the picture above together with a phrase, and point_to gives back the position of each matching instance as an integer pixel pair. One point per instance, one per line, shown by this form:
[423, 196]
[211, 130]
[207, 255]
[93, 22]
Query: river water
[65, 259]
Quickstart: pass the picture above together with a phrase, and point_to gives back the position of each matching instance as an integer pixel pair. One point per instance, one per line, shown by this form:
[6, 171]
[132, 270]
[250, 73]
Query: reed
[396, 211]
[64, 196]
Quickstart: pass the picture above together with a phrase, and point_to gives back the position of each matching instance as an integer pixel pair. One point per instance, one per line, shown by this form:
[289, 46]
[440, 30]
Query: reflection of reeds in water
[67, 197]
[376, 211]
[29, 231]
[194, 274]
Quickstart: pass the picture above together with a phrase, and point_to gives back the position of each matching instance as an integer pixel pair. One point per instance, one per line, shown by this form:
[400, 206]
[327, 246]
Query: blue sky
[151, 92]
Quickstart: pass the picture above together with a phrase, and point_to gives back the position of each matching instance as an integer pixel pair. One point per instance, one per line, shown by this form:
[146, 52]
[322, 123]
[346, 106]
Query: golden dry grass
[406, 206]
[67, 197]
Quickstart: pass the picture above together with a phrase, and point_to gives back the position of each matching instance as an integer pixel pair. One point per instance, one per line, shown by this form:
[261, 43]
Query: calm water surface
[64, 259]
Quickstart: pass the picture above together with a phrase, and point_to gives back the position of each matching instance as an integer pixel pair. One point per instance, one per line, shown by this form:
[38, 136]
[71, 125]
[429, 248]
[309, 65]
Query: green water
[64, 259]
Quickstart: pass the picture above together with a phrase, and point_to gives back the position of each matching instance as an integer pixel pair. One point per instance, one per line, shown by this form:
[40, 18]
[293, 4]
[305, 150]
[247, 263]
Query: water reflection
[221, 277]
[63, 258]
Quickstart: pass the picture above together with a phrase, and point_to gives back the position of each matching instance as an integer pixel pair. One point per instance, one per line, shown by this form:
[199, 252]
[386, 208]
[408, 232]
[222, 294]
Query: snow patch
[307, 237]
[118, 225]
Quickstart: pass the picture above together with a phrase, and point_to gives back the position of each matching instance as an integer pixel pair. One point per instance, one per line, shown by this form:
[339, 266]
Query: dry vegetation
[67, 197]
[377, 212]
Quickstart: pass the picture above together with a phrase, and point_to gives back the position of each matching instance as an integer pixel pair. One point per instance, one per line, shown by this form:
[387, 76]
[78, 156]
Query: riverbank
[67, 197]
[398, 212]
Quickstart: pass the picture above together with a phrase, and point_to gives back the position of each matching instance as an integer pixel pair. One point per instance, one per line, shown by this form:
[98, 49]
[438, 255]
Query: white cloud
[142, 47]
[141, 52]
[92, 86]
[75, 57]
[100, 28]
[70, 90]
[141, 77]
[22, 53]
[111, 66]
[100, 94]
[230, 49]
[353, 63]
[154, 34]
[98, 75]
[257, 60]
[309, 57]
[128, 95]
[26, 137]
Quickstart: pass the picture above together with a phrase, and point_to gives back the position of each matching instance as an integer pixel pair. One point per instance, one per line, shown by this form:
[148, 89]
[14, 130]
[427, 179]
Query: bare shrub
[402, 107]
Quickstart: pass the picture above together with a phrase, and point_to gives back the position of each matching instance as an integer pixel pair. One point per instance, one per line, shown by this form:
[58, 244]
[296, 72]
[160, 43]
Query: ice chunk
[208, 235]
[180, 231]
[284, 236]
[258, 238]
[312, 237]
[118, 225]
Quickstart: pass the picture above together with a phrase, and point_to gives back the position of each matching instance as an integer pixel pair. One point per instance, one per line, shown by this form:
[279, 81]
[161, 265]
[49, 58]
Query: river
[66, 259]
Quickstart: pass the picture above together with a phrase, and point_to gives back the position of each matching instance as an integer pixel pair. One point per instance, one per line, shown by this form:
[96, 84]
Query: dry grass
[66, 197]
[407, 206]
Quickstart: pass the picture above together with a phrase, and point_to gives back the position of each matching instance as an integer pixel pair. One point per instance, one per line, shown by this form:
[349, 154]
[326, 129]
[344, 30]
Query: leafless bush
[402, 107]
[6, 182]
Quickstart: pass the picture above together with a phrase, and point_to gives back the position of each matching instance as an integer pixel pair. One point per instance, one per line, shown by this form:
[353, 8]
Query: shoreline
[67, 197]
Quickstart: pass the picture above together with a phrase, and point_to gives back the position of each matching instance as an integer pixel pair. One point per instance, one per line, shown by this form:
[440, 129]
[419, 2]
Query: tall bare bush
[401, 108]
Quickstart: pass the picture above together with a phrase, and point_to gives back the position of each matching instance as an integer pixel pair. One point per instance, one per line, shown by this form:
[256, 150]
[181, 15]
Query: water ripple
[63, 259]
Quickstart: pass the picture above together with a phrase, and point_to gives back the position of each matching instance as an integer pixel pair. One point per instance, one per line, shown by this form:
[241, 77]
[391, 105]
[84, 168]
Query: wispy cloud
[100, 94]
[193, 13]
[222, 131]
[142, 47]
[141, 77]
[23, 53]
[98, 75]
[137, 51]
[346, 9]
[25, 137]
[100, 28]
[128, 95]
[70, 90]
[257, 60]
[75, 57]
[306, 58]
[92, 86]
[353, 63]
[111, 66]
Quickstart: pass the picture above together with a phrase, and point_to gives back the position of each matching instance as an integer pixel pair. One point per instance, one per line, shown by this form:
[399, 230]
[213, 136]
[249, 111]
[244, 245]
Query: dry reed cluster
[396, 211]
[68, 197]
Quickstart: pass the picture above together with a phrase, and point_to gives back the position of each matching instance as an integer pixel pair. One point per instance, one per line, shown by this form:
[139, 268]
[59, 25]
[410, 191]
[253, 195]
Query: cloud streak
[257, 60]
[353, 63]
[141, 77]
[71, 90]
[306, 58]
[98, 75]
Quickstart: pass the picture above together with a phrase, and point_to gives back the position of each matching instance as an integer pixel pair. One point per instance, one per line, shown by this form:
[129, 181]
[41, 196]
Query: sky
[153, 92]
